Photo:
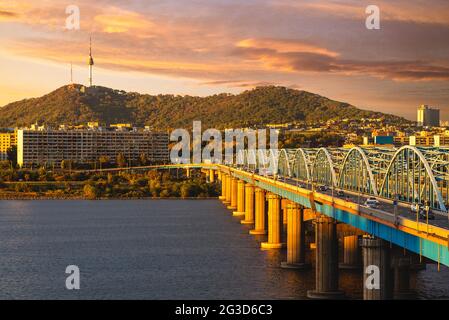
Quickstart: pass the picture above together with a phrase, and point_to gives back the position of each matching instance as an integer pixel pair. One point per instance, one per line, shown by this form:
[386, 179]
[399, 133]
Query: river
[152, 249]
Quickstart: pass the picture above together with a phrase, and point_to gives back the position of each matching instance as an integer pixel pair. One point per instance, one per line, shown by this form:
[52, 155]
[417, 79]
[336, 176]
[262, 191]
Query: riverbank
[41, 184]
[33, 196]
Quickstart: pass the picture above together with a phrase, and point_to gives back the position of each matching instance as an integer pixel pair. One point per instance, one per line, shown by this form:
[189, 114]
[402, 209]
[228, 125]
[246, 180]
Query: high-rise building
[428, 117]
[47, 146]
[7, 140]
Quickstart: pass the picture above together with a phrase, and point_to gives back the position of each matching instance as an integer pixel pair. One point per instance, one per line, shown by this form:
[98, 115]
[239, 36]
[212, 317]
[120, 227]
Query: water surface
[151, 249]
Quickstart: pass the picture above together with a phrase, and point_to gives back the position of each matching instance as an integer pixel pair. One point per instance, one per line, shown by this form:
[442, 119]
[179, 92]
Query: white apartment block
[50, 147]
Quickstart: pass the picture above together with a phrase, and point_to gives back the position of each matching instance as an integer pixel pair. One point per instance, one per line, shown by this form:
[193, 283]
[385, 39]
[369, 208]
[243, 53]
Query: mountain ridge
[76, 104]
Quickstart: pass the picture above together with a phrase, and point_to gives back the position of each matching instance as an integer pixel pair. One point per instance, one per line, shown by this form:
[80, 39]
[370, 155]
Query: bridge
[280, 192]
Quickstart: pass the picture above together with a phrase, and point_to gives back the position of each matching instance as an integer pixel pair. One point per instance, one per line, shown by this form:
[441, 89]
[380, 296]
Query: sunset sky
[204, 47]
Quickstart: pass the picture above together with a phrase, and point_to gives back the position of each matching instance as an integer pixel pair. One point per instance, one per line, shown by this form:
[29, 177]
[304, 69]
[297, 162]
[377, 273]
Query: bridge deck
[429, 240]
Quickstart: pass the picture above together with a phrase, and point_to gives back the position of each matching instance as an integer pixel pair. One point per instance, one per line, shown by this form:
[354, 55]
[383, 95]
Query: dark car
[340, 193]
[322, 188]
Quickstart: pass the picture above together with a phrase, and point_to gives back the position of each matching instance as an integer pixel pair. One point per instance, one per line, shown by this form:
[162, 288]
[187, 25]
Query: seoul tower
[91, 62]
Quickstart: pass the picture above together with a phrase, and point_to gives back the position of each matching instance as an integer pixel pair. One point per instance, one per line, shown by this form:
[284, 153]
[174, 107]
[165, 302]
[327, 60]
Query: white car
[415, 207]
[372, 203]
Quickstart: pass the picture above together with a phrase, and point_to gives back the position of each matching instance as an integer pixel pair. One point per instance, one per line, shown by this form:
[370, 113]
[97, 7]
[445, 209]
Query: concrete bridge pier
[234, 194]
[285, 203]
[259, 221]
[326, 268]
[222, 197]
[211, 176]
[295, 238]
[402, 266]
[249, 205]
[188, 173]
[228, 189]
[274, 223]
[240, 199]
[351, 253]
[377, 275]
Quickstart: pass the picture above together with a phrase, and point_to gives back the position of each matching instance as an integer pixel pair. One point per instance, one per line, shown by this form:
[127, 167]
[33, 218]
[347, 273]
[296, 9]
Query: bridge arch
[356, 173]
[263, 158]
[301, 165]
[273, 155]
[410, 176]
[283, 164]
[323, 170]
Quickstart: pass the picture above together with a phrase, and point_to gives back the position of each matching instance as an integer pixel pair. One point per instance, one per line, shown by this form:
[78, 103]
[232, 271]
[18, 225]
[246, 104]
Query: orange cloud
[310, 59]
[284, 46]
[122, 21]
[202, 46]
[401, 10]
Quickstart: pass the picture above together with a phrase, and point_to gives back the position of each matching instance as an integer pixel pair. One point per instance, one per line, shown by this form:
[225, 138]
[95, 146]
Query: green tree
[110, 178]
[4, 165]
[90, 192]
[121, 160]
[12, 155]
[143, 160]
[103, 160]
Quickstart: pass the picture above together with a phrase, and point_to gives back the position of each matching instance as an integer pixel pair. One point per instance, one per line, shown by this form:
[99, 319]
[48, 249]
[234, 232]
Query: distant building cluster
[87, 143]
[39, 145]
[428, 117]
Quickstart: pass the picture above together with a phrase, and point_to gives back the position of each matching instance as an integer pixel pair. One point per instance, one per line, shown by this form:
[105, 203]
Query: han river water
[152, 249]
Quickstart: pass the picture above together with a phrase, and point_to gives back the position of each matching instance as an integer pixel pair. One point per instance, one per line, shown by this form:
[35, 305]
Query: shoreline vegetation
[42, 184]
[35, 196]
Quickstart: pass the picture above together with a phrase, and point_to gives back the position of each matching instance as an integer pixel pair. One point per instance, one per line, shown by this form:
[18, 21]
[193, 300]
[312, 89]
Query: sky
[203, 47]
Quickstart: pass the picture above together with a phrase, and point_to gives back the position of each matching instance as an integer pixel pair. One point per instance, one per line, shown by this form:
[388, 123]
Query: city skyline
[213, 47]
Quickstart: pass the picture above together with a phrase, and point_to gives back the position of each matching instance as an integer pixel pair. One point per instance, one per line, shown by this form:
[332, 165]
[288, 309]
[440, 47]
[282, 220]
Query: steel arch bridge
[409, 174]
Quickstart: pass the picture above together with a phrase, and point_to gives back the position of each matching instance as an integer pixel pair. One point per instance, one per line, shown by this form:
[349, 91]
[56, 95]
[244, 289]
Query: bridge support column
[228, 189]
[188, 172]
[211, 176]
[259, 222]
[274, 223]
[223, 186]
[296, 248]
[402, 278]
[285, 203]
[376, 266]
[234, 192]
[352, 256]
[240, 199]
[326, 272]
[249, 205]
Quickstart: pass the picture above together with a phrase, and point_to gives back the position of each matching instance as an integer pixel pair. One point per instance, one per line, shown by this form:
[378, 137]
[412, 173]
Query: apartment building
[47, 146]
[7, 140]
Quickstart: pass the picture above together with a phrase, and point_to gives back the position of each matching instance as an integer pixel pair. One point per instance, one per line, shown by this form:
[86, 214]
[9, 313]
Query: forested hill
[74, 104]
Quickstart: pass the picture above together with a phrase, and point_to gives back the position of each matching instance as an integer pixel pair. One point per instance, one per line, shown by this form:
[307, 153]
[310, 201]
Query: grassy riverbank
[42, 184]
